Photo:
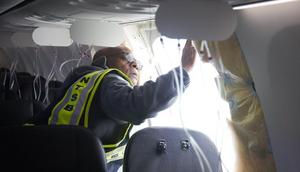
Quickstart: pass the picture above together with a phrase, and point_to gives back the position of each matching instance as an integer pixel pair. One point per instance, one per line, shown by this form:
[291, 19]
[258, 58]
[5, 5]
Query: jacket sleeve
[123, 102]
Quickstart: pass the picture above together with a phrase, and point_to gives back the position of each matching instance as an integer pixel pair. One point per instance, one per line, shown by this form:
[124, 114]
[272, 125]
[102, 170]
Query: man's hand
[188, 56]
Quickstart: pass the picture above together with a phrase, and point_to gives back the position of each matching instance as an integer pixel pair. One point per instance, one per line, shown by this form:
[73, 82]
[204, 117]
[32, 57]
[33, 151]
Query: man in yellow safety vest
[105, 97]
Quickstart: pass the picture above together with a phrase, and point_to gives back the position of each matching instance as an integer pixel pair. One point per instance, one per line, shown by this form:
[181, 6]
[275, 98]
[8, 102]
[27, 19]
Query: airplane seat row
[76, 149]
[25, 86]
[50, 148]
[41, 147]
[73, 148]
[23, 96]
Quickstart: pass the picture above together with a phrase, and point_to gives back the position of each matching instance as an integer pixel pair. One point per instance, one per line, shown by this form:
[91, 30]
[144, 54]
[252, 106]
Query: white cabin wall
[270, 39]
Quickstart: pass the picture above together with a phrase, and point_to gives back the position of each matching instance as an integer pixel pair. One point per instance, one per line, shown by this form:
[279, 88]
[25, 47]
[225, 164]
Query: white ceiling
[27, 14]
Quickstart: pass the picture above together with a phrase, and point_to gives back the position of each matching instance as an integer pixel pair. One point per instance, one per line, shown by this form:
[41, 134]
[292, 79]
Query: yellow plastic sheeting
[247, 123]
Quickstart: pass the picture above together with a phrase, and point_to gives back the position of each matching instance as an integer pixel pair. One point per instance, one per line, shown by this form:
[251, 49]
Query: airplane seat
[17, 104]
[51, 148]
[4, 74]
[38, 107]
[3, 69]
[2, 92]
[166, 149]
[39, 91]
[15, 112]
[55, 84]
[36, 93]
[54, 90]
[2, 86]
[11, 86]
[53, 93]
[25, 81]
[4, 79]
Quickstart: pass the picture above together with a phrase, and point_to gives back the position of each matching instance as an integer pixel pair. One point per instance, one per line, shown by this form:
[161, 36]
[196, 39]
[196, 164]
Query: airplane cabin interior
[239, 113]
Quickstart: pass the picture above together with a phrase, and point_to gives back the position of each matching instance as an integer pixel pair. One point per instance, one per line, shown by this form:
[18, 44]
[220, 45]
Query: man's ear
[100, 62]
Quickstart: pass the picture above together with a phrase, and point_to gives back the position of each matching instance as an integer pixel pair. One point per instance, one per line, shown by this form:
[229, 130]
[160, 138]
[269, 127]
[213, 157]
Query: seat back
[17, 100]
[162, 149]
[54, 90]
[15, 112]
[50, 148]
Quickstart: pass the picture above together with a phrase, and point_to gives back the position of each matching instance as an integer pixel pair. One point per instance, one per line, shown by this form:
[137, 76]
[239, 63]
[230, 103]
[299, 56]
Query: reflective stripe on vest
[77, 101]
[69, 109]
[115, 154]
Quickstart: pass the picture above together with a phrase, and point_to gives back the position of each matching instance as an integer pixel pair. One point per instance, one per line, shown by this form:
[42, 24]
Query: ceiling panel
[63, 12]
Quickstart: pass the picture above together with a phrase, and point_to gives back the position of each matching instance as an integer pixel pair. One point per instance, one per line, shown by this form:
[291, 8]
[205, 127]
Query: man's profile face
[125, 62]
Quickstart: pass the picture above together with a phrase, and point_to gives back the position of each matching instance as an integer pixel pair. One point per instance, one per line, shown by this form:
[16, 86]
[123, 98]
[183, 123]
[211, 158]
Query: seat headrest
[163, 149]
[50, 148]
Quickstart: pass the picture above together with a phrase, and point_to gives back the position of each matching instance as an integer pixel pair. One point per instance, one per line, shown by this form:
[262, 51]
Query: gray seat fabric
[159, 149]
[50, 148]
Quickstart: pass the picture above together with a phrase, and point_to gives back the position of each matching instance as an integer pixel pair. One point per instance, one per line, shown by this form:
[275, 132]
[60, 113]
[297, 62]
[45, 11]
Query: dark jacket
[116, 103]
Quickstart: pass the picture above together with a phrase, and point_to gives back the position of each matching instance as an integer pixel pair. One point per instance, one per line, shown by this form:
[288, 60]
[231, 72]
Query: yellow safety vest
[76, 105]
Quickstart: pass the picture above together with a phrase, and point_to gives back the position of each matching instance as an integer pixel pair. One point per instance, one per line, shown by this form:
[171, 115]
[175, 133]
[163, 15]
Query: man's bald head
[106, 56]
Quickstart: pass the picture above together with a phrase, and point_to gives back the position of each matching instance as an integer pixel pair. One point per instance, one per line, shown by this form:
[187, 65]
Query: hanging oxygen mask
[50, 76]
[13, 80]
[202, 159]
[37, 81]
[75, 61]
